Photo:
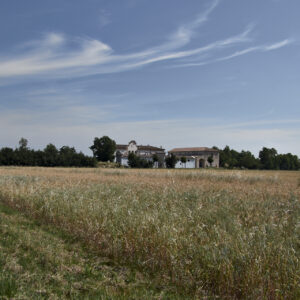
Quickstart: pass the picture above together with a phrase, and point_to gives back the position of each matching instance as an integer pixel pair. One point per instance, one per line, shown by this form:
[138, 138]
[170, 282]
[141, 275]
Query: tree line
[104, 148]
[268, 159]
[49, 157]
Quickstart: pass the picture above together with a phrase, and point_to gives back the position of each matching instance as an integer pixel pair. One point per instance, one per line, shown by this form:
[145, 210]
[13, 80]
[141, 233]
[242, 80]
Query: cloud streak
[184, 33]
[261, 48]
[58, 56]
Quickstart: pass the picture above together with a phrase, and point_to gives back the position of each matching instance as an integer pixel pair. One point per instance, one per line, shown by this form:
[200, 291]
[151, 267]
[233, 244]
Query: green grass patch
[41, 262]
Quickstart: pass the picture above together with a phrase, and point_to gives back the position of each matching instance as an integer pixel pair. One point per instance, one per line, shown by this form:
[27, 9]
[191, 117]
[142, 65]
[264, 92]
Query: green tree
[210, 160]
[7, 157]
[228, 158]
[267, 158]
[23, 143]
[135, 161]
[68, 157]
[171, 161]
[51, 156]
[104, 148]
[247, 160]
[24, 156]
[288, 161]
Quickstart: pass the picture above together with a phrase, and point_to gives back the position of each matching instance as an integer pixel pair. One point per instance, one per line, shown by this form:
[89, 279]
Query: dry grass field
[206, 233]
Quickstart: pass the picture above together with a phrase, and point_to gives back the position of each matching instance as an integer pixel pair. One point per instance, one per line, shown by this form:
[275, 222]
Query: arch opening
[201, 163]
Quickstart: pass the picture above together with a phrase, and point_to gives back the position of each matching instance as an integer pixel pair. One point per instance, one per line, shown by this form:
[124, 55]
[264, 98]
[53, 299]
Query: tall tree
[24, 156]
[7, 157]
[288, 161]
[210, 160]
[23, 143]
[267, 158]
[104, 148]
[68, 156]
[228, 158]
[247, 160]
[51, 156]
[171, 161]
[135, 161]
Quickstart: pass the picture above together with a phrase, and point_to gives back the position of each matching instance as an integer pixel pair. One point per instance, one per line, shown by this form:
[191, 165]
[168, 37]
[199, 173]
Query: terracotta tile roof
[149, 148]
[140, 147]
[193, 149]
[121, 147]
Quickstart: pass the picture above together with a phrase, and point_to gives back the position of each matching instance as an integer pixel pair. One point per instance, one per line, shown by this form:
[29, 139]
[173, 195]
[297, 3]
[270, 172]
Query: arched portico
[201, 163]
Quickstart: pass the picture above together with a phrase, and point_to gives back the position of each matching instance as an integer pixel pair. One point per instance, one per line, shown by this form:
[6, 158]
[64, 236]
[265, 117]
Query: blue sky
[172, 73]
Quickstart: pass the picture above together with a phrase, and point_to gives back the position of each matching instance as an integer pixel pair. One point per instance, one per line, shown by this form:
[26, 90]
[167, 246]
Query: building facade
[143, 151]
[197, 157]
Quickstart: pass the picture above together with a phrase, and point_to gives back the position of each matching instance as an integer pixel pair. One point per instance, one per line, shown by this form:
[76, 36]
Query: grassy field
[41, 262]
[196, 233]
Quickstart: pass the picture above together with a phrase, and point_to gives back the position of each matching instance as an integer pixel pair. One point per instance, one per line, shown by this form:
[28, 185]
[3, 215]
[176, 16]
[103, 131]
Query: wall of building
[199, 156]
[124, 161]
[132, 147]
[190, 164]
[205, 156]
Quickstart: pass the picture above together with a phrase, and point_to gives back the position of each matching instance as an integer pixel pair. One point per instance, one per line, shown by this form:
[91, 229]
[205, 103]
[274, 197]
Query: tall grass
[42, 262]
[233, 235]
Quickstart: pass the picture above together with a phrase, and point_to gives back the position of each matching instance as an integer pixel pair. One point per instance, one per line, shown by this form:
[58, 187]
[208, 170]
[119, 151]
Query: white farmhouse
[143, 151]
[197, 157]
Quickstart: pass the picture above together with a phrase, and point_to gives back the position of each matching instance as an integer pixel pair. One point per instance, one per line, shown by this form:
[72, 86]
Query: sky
[167, 73]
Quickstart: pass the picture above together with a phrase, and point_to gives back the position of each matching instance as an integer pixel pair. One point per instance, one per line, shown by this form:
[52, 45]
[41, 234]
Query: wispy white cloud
[263, 48]
[95, 57]
[56, 55]
[173, 55]
[278, 45]
[260, 48]
[49, 56]
[184, 33]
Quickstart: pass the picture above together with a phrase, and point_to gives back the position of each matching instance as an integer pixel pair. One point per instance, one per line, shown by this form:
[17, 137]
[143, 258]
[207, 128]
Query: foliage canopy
[49, 157]
[104, 148]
